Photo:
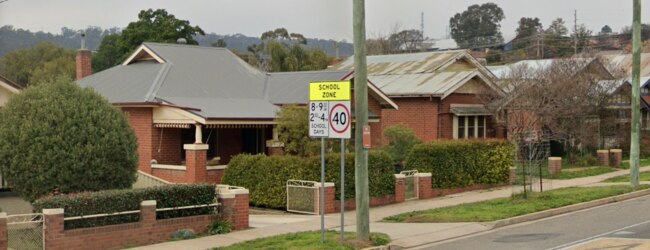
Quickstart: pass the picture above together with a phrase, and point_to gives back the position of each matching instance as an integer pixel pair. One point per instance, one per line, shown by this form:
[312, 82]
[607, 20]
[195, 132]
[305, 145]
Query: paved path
[405, 235]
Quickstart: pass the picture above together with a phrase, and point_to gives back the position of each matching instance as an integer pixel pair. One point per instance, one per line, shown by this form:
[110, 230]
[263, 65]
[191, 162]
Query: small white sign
[340, 120]
[319, 119]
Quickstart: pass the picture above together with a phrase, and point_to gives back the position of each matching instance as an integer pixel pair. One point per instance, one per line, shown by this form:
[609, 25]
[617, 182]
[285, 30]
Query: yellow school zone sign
[329, 91]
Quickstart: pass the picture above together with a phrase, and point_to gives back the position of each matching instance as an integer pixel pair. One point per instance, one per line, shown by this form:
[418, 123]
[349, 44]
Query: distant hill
[12, 38]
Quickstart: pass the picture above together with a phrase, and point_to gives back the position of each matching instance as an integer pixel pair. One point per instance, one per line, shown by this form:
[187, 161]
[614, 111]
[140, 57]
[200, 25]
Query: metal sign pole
[342, 191]
[322, 190]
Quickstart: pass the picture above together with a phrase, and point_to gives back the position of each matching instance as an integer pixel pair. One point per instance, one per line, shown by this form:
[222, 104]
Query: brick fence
[148, 230]
[424, 189]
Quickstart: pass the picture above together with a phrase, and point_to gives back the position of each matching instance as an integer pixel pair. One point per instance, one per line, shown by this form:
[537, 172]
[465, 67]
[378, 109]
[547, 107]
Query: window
[470, 127]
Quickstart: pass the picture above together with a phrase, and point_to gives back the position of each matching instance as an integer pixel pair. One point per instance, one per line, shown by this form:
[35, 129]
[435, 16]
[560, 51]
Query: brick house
[194, 106]
[437, 93]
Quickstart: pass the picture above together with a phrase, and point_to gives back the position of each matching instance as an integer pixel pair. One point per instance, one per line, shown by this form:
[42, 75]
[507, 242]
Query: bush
[219, 227]
[400, 141]
[184, 234]
[111, 201]
[266, 176]
[58, 137]
[463, 163]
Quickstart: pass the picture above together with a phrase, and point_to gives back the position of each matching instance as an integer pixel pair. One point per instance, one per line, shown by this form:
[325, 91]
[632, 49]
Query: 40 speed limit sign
[340, 120]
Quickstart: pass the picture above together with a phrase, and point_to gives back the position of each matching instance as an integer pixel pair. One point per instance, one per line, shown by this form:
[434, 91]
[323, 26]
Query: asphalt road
[628, 220]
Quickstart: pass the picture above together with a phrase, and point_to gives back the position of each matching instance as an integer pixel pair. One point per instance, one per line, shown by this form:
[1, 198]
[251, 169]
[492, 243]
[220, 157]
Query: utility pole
[636, 79]
[575, 32]
[361, 117]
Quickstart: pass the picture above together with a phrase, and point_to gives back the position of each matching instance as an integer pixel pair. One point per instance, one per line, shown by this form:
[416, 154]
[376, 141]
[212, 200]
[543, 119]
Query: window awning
[469, 110]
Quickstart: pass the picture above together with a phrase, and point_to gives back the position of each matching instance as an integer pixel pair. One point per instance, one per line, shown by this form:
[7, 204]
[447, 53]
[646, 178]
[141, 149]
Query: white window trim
[476, 126]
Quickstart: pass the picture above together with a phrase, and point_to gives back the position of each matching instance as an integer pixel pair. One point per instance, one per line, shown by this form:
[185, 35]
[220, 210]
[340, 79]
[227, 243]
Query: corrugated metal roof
[124, 83]
[623, 63]
[504, 71]
[396, 64]
[293, 87]
[437, 83]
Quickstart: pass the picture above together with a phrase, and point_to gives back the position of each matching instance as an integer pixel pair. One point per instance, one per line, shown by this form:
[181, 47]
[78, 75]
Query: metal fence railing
[25, 231]
[410, 184]
[301, 196]
[145, 180]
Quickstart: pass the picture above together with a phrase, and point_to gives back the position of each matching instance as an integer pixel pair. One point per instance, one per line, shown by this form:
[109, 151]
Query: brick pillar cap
[513, 168]
[555, 158]
[423, 174]
[53, 211]
[195, 146]
[327, 184]
[148, 203]
[400, 176]
[616, 150]
[3, 215]
[602, 151]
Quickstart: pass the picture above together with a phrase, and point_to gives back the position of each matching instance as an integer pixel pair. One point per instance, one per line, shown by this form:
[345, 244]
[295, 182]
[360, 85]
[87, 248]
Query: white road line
[579, 242]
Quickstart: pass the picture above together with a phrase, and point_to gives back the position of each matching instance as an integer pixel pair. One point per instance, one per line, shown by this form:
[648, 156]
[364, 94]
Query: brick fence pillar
[275, 147]
[603, 157]
[3, 232]
[234, 206]
[147, 221]
[554, 165]
[330, 198]
[400, 191]
[615, 157]
[424, 185]
[195, 163]
[53, 229]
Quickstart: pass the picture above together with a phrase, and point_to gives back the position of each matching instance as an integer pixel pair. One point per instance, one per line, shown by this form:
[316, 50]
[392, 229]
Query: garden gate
[25, 231]
[301, 196]
[410, 184]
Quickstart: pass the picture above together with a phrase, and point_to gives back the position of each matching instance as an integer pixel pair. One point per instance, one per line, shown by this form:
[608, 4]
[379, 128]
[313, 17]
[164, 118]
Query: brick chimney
[83, 60]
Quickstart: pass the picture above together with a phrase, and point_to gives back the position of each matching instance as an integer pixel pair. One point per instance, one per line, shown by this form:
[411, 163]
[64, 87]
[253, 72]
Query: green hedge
[463, 163]
[111, 201]
[266, 176]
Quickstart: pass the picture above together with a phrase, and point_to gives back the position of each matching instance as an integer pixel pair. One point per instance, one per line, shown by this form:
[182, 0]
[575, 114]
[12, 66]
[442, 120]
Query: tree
[220, 43]
[41, 63]
[281, 51]
[151, 26]
[400, 141]
[58, 137]
[584, 37]
[479, 26]
[528, 35]
[293, 131]
[556, 41]
[605, 30]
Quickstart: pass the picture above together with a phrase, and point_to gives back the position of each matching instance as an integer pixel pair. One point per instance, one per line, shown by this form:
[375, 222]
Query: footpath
[404, 235]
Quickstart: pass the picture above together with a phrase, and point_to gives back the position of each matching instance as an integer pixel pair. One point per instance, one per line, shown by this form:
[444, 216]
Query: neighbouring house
[192, 107]
[438, 93]
[7, 89]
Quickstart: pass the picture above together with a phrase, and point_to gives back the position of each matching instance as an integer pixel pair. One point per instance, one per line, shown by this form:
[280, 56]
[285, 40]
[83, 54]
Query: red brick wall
[167, 150]
[419, 114]
[215, 176]
[175, 176]
[141, 120]
[376, 133]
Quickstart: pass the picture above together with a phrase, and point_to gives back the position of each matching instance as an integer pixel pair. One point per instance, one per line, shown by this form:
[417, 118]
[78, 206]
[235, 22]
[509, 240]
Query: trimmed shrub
[266, 176]
[58, 137]
[463, 163]
[400, 141]
[111, 201]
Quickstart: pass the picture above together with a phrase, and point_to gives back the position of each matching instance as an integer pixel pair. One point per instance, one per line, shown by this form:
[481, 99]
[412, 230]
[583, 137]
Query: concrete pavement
[402, 234]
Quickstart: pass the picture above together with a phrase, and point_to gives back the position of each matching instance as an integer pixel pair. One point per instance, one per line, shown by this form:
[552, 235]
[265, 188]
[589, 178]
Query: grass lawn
[516, 205]
[570, 173]
[310, 240]
[643, 176]
[644, 162]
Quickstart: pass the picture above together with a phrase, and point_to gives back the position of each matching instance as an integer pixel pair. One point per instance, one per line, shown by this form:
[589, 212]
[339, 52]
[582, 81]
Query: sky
[326, 19]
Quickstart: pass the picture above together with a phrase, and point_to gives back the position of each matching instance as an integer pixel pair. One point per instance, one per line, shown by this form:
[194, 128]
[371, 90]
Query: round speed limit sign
[340, 120]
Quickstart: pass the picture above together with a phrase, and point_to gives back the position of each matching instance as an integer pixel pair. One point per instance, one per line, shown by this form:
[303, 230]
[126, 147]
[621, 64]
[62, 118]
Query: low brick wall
[215, 175]
[149, 230]
[171, 175]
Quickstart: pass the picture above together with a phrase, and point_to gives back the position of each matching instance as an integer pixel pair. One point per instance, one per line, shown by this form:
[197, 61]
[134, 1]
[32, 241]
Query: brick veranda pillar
[3, 232]
[195, 163]
[53, 229]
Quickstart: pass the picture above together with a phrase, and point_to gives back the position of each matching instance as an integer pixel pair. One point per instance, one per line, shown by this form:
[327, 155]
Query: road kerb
[569, 208]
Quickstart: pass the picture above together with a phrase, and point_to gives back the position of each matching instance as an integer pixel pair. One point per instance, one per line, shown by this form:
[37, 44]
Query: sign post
[330, 117]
